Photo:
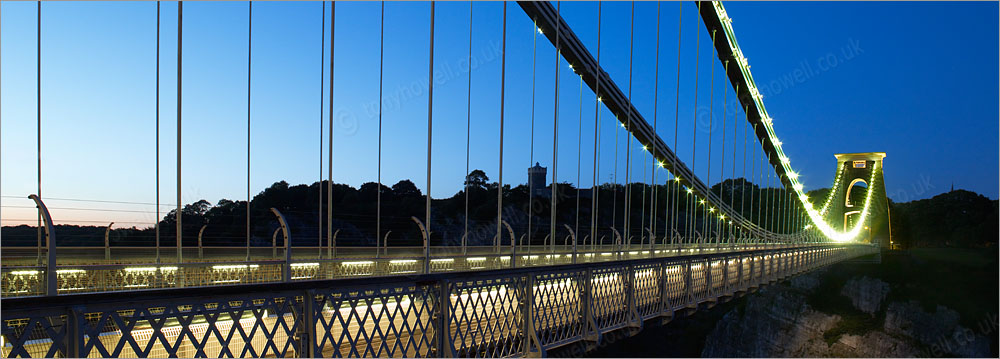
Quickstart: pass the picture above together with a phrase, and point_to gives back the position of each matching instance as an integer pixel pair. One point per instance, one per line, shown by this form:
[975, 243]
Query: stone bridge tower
[858, 173]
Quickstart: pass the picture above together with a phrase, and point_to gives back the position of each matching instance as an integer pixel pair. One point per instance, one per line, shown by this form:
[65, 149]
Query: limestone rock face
[866, 293]
[874, 344]
[909, 319]
[775, 322]
[778, 322]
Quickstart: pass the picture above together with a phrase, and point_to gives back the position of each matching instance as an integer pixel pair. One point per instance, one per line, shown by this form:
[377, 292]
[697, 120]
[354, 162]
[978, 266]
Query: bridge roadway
[501, 312]
[96, 269]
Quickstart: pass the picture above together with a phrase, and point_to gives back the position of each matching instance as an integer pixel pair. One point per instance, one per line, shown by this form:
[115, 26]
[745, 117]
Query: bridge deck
[89, 270]
[503, 312]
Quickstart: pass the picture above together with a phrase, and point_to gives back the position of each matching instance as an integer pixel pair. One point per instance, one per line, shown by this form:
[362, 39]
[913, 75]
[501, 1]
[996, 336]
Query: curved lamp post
[385, 244]
[513, 244]
[427, 248]
[572, 234]
[287, 273]
[618, 241]
[50, 242]
[107, 242]
[201, 251]
[331, 245]
[274, 243]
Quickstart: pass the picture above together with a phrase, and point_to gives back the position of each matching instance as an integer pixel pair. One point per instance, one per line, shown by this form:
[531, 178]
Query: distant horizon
[213, 203]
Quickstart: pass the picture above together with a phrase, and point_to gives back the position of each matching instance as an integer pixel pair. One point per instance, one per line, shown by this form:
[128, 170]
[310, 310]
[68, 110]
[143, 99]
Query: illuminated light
[606, 254]
[589, 254]
[357, 263]
[785, 160]
[443, 260]
[402, 271]
[168, 269]
[776, 142]
[570, 66]
[804, 198]
[298, 265]
[505, 258]
[644, 148]
[403, 261]
[136, 285]
[722, 216]
[711, 210]
[633, 253]
[701, 202]
[475, 259]
[70, 271]
[540, 30]
[689, 191]
[140, 269]
[226, 281]
[599, 99]
[234, 266]
[678, 179]
[797, 186]
[532, 257]
[302, 277]
[623, 125]
[24, 272]
[792, 175]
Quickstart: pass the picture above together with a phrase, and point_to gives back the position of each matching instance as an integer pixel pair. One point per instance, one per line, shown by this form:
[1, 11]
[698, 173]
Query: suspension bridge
[658, 241]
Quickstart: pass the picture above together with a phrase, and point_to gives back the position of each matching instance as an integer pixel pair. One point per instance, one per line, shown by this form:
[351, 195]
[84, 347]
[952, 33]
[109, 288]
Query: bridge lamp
[599, 99]
[792, 175]
[623, 124]
[688, 190]
[678, 179]
[540, 30]
[661, 164]
[777, 142]
[797, 186]
[711, 210]
[701, 202]
[785, 160]
[644, 148]
[767, 119]
[804, 198]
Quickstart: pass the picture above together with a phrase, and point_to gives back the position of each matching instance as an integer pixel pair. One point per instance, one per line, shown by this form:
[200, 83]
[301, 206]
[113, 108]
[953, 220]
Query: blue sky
[915, 80]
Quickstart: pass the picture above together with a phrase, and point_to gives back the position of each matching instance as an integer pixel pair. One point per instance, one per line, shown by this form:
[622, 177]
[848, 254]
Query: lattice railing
[29, 280]
[501, 313]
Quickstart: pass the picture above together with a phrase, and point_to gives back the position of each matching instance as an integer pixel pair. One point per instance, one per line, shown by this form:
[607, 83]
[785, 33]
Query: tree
[197, 209]
[405, 189]
[477, 179]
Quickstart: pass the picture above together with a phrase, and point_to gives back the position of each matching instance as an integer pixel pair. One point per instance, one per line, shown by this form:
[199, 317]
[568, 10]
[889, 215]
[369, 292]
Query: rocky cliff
[795, 319]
